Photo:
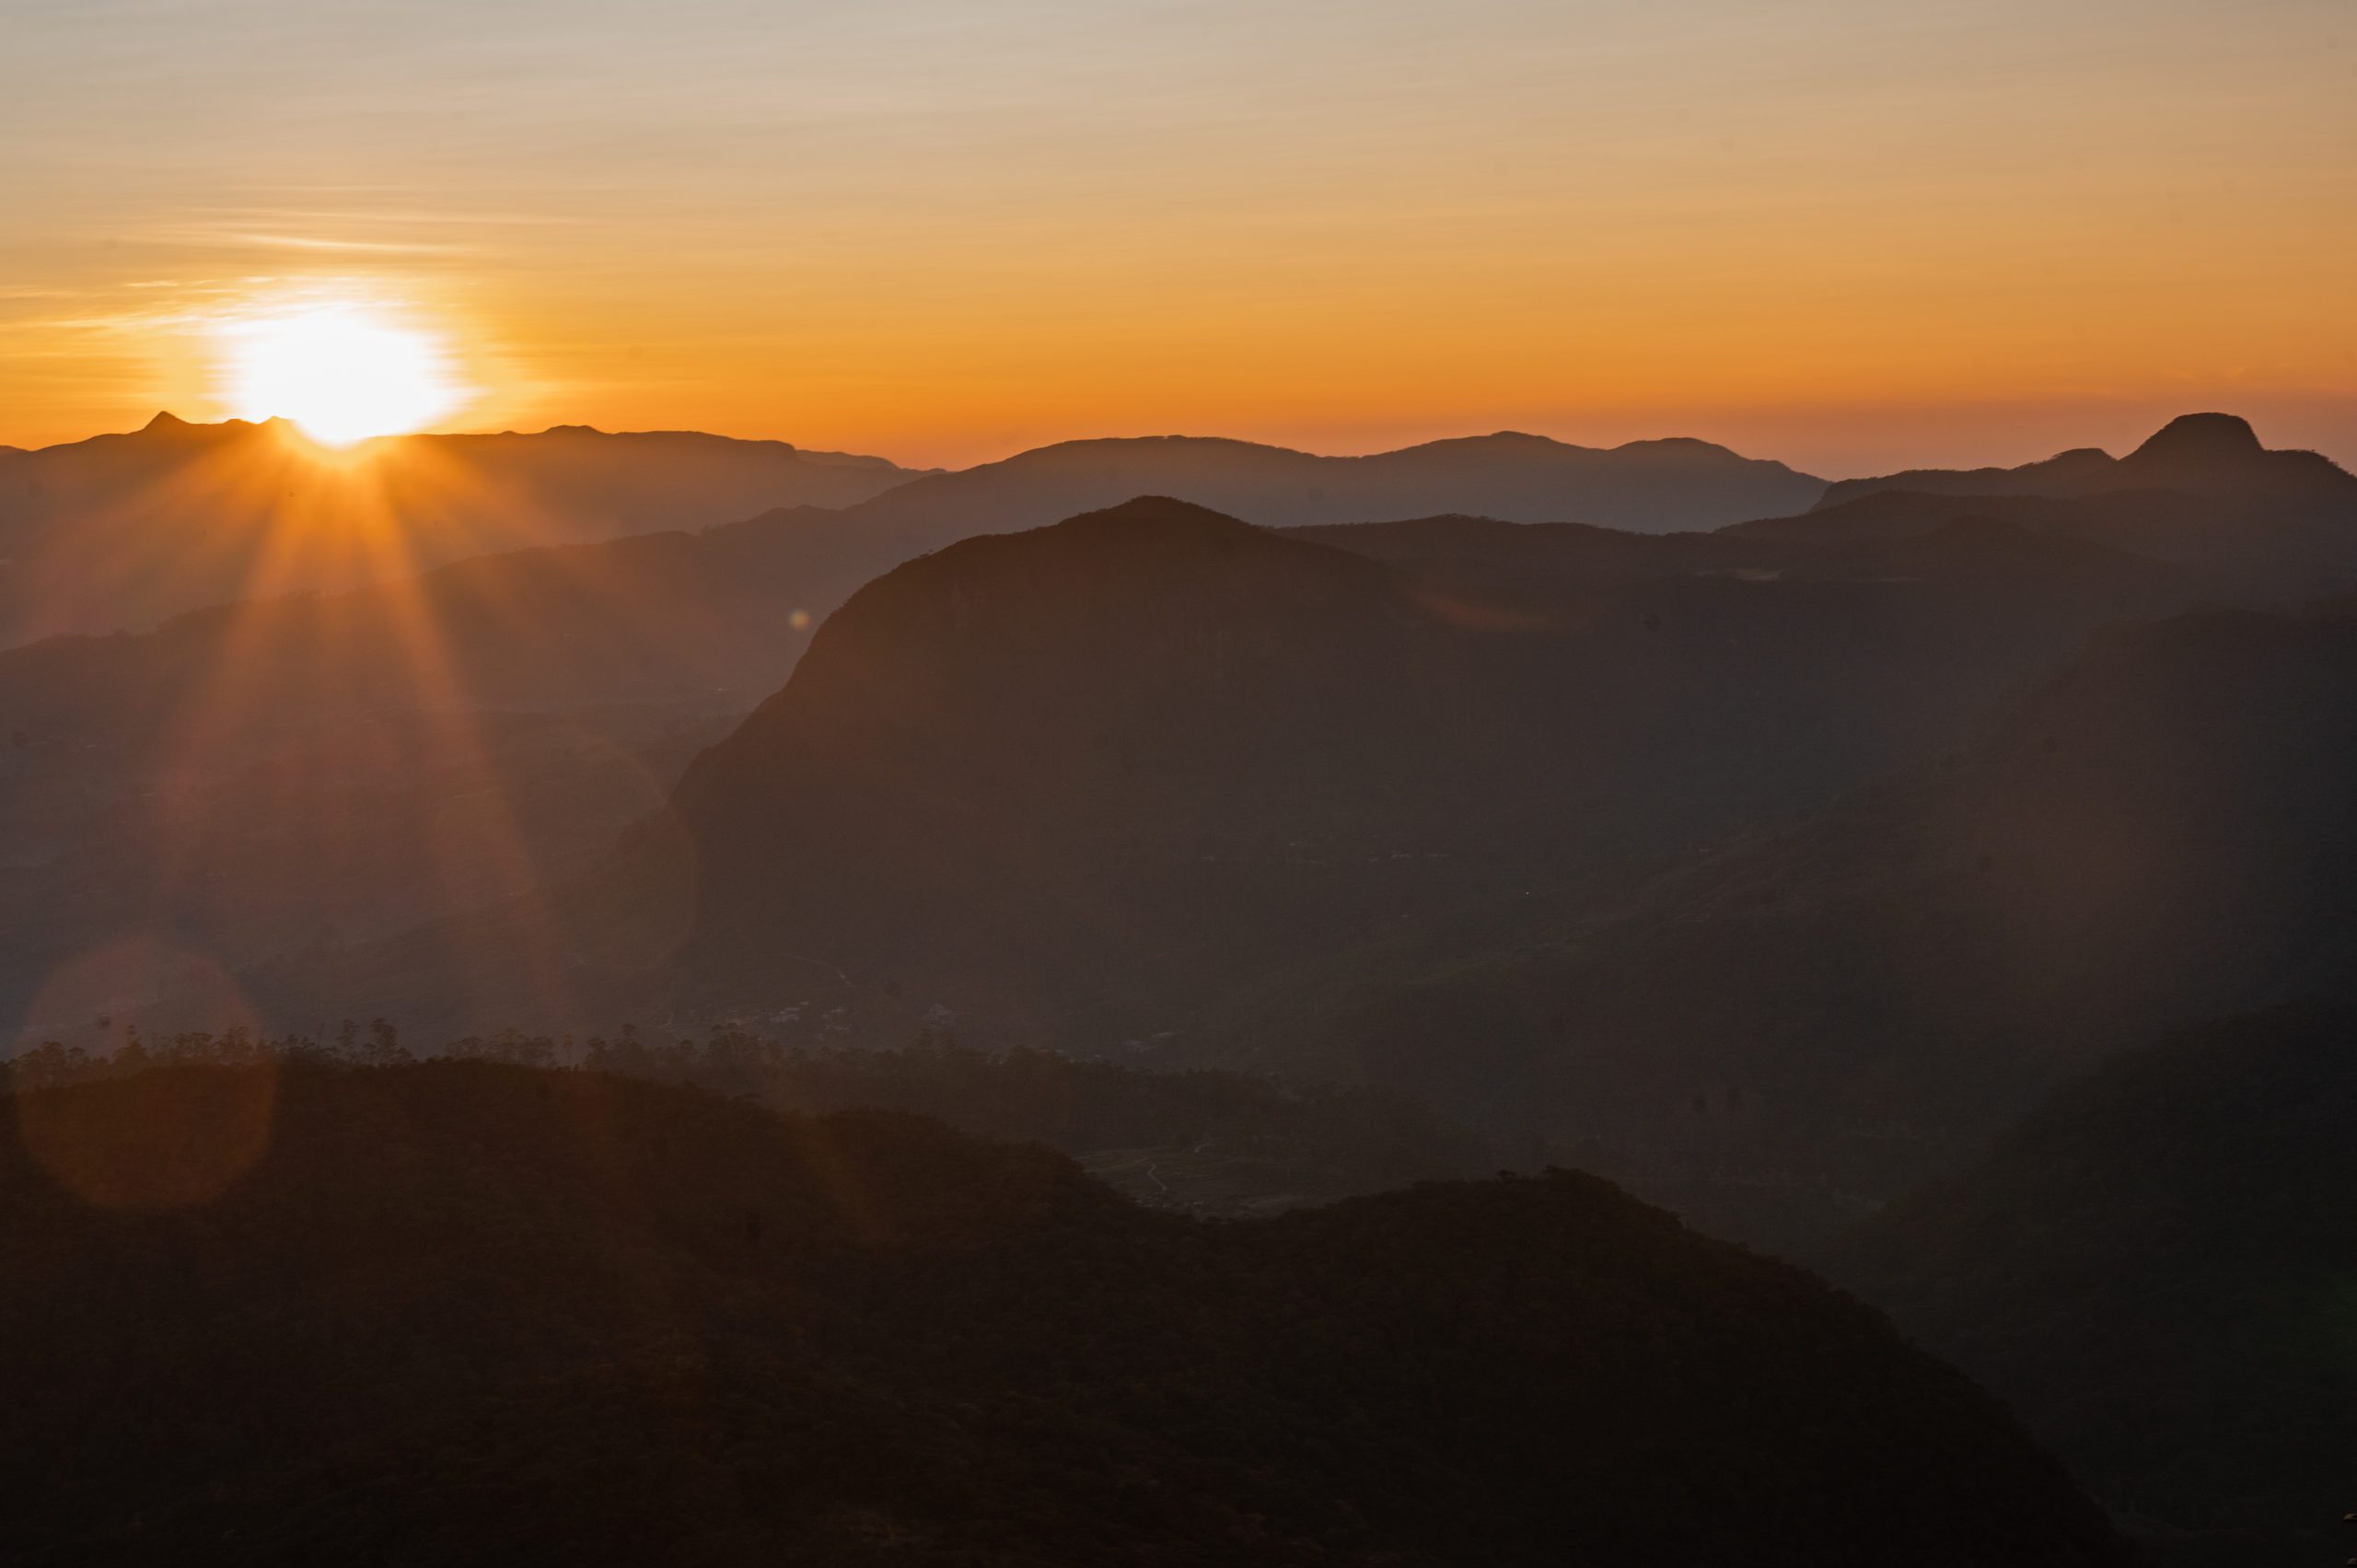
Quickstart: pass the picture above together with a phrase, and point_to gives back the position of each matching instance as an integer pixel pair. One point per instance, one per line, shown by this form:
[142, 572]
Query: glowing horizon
[1851, 236]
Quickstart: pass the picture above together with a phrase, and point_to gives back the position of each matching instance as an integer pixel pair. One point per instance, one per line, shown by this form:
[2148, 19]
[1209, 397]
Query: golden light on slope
[344, 373]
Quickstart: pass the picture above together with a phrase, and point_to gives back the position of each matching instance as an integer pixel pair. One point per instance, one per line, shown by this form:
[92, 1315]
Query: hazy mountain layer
[1645, 486]
[122, 531]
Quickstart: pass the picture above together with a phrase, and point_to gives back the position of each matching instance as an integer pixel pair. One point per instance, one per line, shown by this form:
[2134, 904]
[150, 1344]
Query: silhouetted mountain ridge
[2215, 456]
[2201, 441]
[1652, 486]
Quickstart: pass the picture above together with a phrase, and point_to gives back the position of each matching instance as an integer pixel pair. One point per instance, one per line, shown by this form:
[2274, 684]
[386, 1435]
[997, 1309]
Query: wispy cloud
[363, 247]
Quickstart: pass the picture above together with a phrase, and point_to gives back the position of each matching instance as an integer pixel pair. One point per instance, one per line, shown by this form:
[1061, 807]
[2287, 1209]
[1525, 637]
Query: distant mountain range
[1644, 486]
[120, 532]
[2202, 488]
[2154, 1271]
[458, 1313]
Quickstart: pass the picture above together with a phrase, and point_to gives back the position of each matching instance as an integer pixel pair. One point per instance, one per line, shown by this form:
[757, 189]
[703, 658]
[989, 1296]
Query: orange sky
[1848, 233]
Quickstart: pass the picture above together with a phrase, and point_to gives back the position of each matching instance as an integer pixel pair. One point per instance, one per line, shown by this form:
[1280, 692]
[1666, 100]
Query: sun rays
[343, 672]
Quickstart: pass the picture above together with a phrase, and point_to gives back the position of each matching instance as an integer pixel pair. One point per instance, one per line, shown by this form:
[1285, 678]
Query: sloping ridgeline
[2159, 1272]
[2160, 835]
[467, 1313]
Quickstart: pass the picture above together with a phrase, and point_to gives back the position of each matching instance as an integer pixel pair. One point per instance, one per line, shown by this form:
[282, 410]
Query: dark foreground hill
[2156, 1272]
[457, 1313]
[120, 532]
[1198, 1141]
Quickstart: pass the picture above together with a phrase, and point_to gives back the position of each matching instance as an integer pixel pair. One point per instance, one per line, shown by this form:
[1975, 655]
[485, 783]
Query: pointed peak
[164, 421]
[2201, 439]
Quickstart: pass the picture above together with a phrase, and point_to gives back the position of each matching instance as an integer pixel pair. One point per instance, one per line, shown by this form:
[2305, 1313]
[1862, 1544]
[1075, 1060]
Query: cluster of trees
[1309, 1141]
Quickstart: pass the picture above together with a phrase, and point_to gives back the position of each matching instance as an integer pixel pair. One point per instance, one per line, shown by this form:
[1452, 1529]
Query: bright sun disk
[342, 373]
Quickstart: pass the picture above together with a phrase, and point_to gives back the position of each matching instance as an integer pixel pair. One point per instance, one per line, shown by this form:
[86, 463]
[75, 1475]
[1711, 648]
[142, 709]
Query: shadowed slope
[2163, 833]
[2156, 1272]
[981, 740]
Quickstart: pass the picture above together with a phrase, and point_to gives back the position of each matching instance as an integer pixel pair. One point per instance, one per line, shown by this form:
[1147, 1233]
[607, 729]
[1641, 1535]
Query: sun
[344, 373]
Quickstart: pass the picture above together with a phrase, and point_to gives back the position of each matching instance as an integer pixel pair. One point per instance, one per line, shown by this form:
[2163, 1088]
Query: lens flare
[155, 1142]
[342, 373]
